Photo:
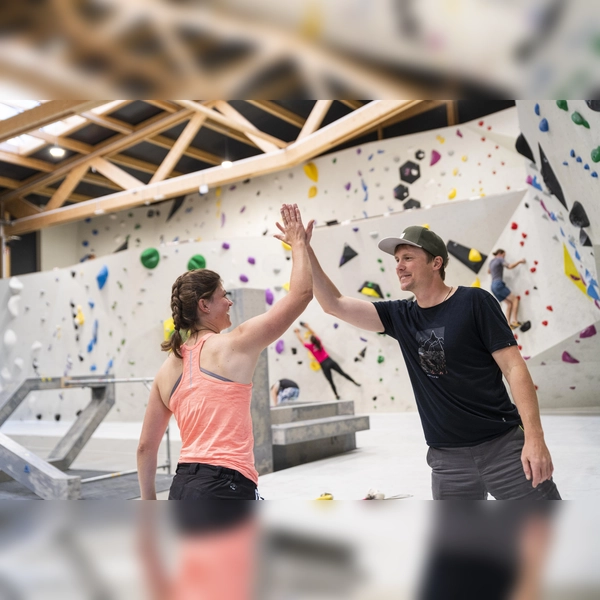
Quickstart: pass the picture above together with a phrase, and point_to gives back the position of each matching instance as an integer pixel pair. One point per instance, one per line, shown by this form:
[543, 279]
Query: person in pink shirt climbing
[206, 381]
[325, 361]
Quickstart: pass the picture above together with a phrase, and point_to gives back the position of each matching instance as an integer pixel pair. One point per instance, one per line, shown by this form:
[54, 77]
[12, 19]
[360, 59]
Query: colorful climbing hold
[150, 258]
[544, 125]
[578, 119]
[102, 276]
[312, 192]
[311, 171]
[514, 225]
[269, 297]
[588, 332]
[562, 104]
[537, 109]
[380, 359]
[476, 283]
[196, 262]
[435, 157]
[452, 194]
[596, 154]
[474, 255]
[279, 346]
[566, 357]
[243, 278]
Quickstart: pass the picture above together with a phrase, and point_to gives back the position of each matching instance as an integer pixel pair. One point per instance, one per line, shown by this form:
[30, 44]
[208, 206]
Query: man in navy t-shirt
[457, 346]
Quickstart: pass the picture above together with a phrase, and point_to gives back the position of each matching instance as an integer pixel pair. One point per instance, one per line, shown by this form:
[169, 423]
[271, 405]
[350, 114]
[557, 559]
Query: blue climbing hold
[594, 174]
[535, 183]
[93, 368]
[537, 110]
[586, 167]
[85, 243]
[544, 125]
[26, 469]
[572, 153]
[579, 159]
[102, 276]
[565, 163]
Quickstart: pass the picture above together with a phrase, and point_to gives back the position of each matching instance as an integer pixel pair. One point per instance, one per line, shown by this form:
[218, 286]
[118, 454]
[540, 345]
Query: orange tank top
[213, 417]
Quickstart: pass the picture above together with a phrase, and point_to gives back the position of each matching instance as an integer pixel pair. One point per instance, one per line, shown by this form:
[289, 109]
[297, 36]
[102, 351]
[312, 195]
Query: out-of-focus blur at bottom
[400, 549]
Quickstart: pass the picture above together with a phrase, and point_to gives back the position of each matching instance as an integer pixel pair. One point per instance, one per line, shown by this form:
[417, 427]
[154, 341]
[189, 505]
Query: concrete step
[294, 412]
[317, 429]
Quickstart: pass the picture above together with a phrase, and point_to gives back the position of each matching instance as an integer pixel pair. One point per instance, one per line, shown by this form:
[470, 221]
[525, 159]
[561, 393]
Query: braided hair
[187, 290]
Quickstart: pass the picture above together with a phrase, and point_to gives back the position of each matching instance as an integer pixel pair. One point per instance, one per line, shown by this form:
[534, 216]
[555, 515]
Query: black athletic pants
[329, 365]
[197, 481]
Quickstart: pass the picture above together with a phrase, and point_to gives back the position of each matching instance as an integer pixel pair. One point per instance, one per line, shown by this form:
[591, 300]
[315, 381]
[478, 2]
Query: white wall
[58, 246]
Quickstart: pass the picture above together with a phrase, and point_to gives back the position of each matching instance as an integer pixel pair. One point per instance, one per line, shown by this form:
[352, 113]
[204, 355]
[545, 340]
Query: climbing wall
[555, 228]
[473, 160]
[468, 183]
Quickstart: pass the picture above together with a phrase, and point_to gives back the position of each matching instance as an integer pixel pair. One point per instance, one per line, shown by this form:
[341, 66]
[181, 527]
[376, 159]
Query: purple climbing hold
[251, 260]
[222, 219]
[566, 357]
[458, 133]
[335, 325]
[435, 157]
[358, 151]
[355, 229]
[242, 209]
[588, 332]
[269, 297]
[225, 246]
[362, 339]
[243, 279]
[348, 186]
[279, 346]
[544, 125]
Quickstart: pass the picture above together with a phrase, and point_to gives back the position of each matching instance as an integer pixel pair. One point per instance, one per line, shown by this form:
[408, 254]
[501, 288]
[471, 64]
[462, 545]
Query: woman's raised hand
[292, 229]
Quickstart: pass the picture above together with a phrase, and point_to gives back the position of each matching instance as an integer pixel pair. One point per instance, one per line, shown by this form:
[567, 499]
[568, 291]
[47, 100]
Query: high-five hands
[292, 229]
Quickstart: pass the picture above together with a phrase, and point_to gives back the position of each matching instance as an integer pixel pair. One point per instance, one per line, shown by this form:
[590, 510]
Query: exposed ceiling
[126, 153]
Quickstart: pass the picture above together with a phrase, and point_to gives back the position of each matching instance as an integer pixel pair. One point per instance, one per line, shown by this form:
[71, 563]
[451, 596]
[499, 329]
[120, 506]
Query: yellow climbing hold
[426, 225]
[218, 192]
[286, 246]
[369, 292]
[80, 318]
[455, 171]
[440, 139]
[452, 194]
[476, 283]
[464, 158]
[312, 192]
[311, 171]
[474, 255]
[571, 271]
[325, 496]
[286, 286]
[168, 329]
[314, 365]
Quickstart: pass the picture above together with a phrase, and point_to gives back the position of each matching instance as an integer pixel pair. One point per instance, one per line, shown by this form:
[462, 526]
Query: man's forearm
[523, 392]
[325, 292]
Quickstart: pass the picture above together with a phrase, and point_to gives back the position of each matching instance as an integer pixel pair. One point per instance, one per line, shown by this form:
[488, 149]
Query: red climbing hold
[520, 347]
[513, 225]
[549, 308]
[522, 243]
[535, 386]
[518, 297]
[480, 123]
[533, 269]
[527, 292]
[523, 235]
[545, 323]
[483, 139]
[535, 262]
[489, 127]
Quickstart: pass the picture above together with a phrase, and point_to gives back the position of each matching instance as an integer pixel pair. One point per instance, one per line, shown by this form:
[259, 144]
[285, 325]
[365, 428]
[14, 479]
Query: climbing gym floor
[390, 457]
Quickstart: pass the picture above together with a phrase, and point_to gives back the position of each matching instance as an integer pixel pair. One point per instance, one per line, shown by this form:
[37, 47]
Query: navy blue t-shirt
[461, 398]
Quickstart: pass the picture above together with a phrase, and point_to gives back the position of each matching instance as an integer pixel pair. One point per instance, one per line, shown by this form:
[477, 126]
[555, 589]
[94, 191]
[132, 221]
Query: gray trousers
[494, 467]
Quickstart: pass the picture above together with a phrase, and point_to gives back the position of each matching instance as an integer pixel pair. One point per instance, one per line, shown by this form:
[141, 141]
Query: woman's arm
[155, 424]
[255, 334]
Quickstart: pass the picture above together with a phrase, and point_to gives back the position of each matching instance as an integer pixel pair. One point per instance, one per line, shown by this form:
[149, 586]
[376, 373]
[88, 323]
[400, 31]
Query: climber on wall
[500, 289]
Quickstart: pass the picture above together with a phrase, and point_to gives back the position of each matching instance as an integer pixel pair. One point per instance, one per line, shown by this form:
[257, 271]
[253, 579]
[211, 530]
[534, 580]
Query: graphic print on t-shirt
[431, 351]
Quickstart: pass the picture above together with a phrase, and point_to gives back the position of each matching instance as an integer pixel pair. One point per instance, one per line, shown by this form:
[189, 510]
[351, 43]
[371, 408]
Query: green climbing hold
[137, 226]
[562, 104]
[380, 359]
[579, 120]
[196, 262]
[150, 258]
[596, 154]
[379, 260]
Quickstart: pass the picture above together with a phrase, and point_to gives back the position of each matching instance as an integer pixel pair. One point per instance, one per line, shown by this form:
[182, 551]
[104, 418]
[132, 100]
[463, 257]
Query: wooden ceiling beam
[353, 104]
[25, 161]
[42, 115]
[179, 147]
[227, 110]
[114, 173]
[67, 186]
[19, 208]
[108, 123]
[317, 114]
[279, 111]
[163, 105]
[105, 149]
[218, 118]
[191, 151]
[296, 153]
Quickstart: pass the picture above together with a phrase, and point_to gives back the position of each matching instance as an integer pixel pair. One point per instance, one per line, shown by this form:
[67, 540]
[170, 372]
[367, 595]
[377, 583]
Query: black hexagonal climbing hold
[593, 104]
[401, 192]
[420, 154]
[412, 203]
[410, 171]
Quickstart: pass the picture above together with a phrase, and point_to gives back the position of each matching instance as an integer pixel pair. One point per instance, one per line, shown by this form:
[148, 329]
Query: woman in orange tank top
[206, 382]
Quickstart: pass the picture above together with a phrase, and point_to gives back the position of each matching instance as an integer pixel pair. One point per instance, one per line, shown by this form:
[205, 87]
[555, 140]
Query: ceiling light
[57, 151]
[203, 189]
[226, 164]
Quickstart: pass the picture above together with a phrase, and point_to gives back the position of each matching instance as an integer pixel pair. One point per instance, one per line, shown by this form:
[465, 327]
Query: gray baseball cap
[418, 236]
